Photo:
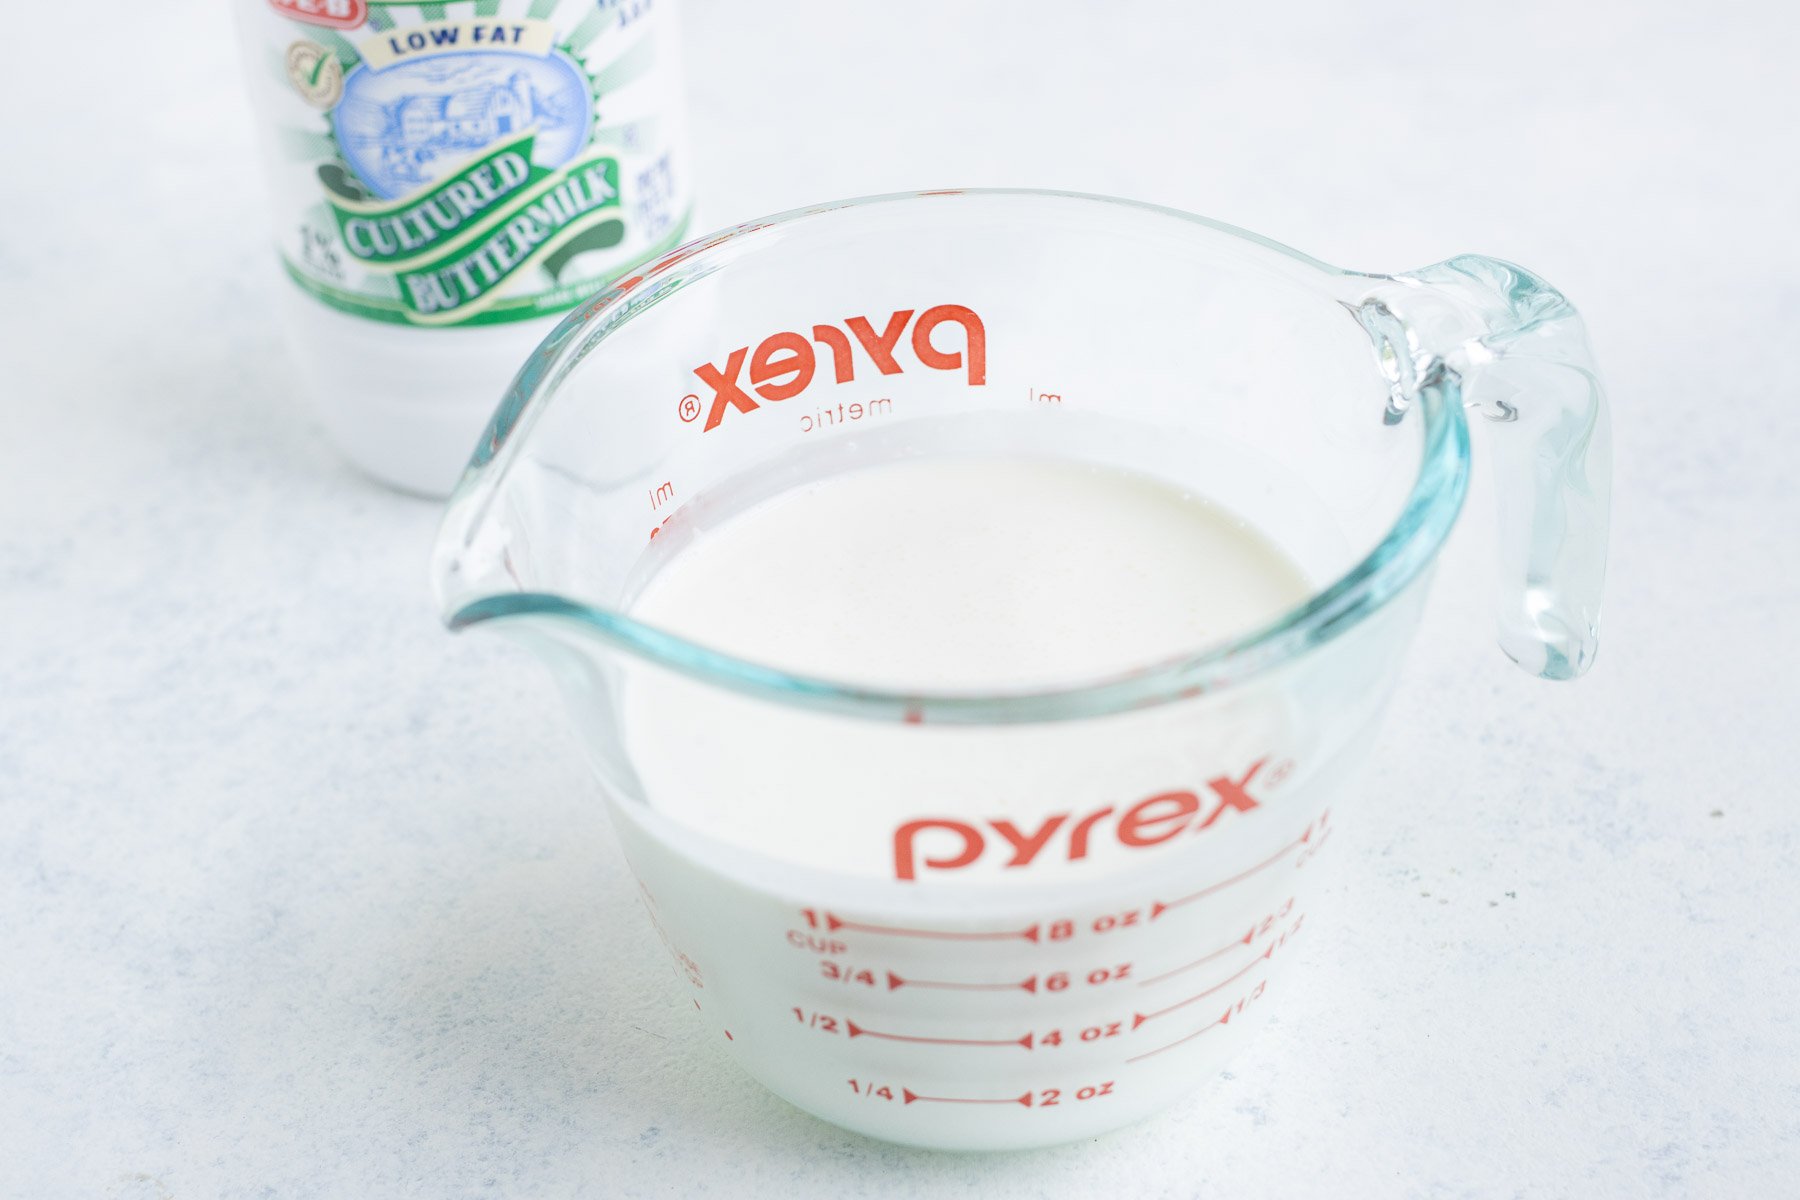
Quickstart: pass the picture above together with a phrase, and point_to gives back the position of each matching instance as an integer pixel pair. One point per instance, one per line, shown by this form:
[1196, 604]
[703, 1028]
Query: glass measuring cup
[1101, 883]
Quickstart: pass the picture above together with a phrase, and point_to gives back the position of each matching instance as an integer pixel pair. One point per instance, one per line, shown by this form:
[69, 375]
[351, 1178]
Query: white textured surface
[300, 896]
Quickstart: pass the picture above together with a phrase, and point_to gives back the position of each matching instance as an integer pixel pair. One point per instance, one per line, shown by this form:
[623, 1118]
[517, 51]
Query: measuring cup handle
[1519, 353]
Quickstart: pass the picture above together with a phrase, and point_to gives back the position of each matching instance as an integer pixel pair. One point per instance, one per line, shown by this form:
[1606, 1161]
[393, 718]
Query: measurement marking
[895, 982]
[1139, 1018]
[858, 1031]
[1178, 1041]
[1249, 934]
[912, 1096]
[835, 923]
[1162, 906]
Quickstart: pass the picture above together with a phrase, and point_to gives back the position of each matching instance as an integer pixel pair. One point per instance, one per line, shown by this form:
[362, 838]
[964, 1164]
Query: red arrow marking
[1139, 1018]
[1243, 941]
[858, 1031]
[1162, 906]
[895, 981]
[1178, 1041]
[835, 923]
[912, 1096]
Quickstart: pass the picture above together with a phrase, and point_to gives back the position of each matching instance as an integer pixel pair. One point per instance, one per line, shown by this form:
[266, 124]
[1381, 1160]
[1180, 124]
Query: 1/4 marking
[1041, 1098]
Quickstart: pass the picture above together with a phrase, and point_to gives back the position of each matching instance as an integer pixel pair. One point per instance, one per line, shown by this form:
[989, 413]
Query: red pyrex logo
[950, 845]
[783, 364]
[334, 14]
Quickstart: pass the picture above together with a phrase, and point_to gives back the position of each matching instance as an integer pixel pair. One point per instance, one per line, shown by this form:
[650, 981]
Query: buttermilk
[468, 276]
[441, 213]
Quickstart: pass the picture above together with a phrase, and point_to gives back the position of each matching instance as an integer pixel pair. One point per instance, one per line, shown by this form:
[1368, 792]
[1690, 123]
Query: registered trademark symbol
[689, 408]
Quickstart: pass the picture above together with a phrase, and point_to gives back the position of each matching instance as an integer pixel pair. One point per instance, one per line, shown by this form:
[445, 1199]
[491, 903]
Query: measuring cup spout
[1517, 352]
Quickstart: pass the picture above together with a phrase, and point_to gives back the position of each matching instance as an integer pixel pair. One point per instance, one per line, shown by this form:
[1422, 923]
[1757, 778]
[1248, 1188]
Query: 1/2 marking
[857, 1031]
[819, 1021]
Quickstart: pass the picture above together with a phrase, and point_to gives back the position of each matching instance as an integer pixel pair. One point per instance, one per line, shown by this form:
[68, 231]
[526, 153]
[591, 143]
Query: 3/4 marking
[896, 982]
[838, 973]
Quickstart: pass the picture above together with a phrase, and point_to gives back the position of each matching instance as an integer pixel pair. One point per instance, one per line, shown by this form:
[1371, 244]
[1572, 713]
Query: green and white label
[469, 163]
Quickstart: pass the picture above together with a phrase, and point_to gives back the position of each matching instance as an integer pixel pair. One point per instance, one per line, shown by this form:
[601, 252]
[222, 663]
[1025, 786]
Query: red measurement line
[894, 981]
[912, 1096]
[1161, 906]
[1243, 941]
[1139, 1018]
[834, 923]
[1178, 1041]
[858, 1031]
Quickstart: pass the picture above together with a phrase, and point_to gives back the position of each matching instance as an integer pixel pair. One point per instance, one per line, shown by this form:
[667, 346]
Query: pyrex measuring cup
[1098, 885]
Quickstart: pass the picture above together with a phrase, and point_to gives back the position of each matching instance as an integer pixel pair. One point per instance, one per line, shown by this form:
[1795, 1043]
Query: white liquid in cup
[991, 935]
[940, 575]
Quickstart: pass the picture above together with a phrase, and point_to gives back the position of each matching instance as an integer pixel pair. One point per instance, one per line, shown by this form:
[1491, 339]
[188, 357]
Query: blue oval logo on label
[404, 127]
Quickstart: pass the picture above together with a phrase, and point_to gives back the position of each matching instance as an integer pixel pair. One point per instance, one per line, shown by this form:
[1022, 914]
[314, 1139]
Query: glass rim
[1397, 558]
